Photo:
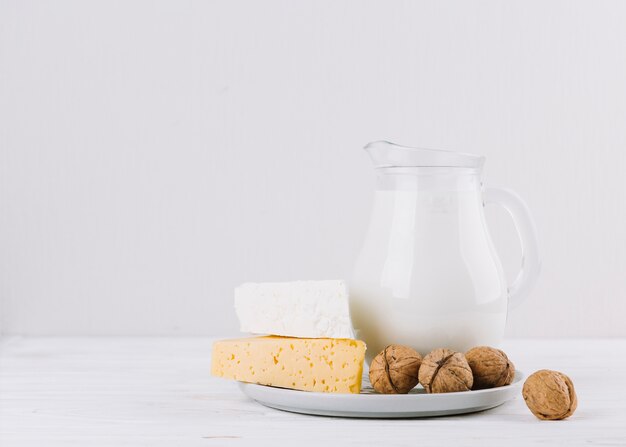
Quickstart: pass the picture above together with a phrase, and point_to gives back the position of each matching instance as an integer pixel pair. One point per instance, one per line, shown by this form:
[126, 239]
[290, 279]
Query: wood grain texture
[158, 392]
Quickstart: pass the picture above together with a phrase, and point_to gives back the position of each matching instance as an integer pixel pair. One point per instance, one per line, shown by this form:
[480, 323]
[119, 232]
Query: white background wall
[153, 155]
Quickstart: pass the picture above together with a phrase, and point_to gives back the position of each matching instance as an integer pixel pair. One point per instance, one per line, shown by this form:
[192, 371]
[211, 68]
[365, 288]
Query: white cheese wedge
[312, 309]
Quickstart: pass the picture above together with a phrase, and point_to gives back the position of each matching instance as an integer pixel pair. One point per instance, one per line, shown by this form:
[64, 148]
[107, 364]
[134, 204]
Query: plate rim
[382, 406]
[518, 378]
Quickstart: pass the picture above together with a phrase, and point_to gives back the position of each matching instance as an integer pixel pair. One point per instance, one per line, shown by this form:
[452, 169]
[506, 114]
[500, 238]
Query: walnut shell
[445, 371]
[395, 370]
[550, 395]
[490, 366]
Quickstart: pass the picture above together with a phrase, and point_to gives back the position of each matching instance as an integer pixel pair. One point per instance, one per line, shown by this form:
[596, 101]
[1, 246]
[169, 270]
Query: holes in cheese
[308, 364]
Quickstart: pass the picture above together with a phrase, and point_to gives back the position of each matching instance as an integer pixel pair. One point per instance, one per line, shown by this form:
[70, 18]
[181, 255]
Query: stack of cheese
[309, 342]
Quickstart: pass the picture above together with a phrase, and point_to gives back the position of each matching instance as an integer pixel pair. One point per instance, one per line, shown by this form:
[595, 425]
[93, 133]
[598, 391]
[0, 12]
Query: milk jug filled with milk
[428, 275]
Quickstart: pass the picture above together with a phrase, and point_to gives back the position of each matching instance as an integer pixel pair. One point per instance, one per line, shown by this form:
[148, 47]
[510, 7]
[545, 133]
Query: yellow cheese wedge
[332, 365]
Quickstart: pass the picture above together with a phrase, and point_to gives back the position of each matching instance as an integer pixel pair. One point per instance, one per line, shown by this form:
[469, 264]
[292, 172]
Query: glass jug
[428, 275]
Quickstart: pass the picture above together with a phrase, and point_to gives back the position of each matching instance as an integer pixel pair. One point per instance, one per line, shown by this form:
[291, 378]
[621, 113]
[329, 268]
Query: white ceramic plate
[370, 404]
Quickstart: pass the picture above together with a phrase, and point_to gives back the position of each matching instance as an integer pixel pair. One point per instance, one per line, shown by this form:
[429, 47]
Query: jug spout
[386, 155]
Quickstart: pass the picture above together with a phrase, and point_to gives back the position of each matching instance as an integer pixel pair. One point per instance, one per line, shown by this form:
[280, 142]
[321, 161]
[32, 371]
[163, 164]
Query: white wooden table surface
[158, 392]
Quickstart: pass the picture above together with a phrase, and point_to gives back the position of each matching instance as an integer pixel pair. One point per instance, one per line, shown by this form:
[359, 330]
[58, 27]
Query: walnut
[550, 395]
[491, 367]
[445, 371]
[395, 370]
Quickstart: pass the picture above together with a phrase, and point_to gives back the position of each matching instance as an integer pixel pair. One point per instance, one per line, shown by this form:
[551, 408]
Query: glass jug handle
[531, 264]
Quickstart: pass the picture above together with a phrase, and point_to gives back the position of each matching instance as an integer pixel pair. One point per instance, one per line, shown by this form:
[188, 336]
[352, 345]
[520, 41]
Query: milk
[428, 275]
